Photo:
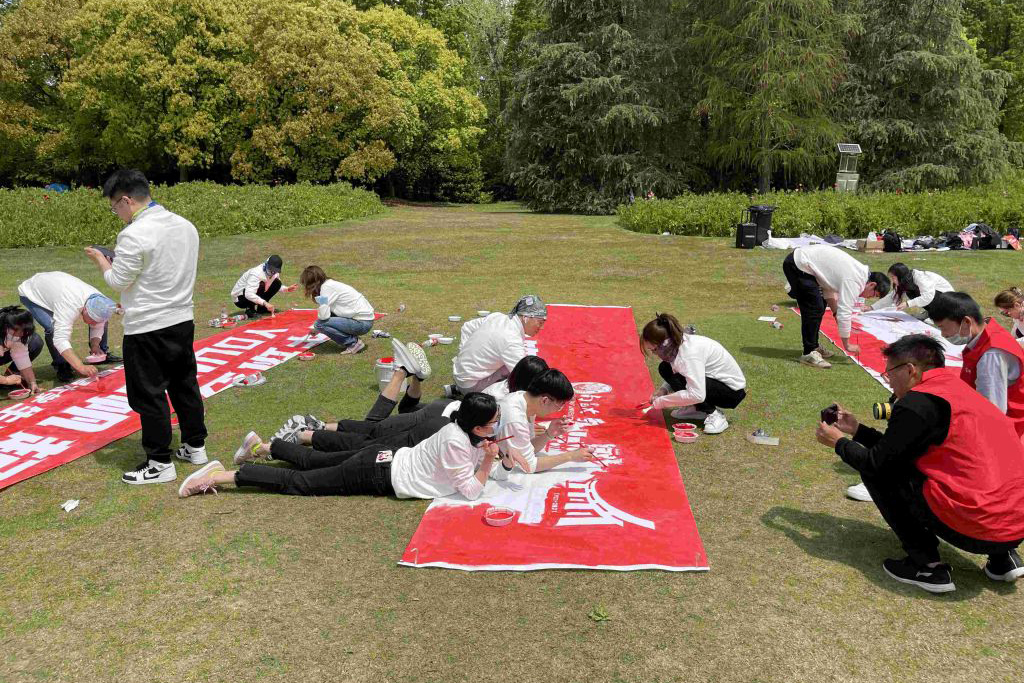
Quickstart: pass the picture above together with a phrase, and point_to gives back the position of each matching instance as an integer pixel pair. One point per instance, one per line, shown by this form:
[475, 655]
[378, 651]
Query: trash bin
[761, 214]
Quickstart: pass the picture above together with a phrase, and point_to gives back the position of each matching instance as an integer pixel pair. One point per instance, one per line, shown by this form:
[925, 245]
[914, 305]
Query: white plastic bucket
[384, 368]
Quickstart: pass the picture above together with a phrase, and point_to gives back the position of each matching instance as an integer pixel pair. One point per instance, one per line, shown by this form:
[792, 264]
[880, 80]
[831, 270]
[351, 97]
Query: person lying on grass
[490, 347]
[257, 287]
[700, 375]
[457, 459]
[948, 466]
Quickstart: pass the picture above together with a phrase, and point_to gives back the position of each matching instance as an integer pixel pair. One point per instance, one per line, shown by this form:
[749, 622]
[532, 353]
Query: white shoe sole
[930, 587]
[712, 430]
[199, 458]
[404, 358]
[1009, 577]
[812, 364]
[170, 474]
[858, 493]
[212, 466]
[417, 353]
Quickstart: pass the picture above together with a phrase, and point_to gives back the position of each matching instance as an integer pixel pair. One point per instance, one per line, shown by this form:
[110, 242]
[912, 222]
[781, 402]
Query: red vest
[975, 478]
[995, 336]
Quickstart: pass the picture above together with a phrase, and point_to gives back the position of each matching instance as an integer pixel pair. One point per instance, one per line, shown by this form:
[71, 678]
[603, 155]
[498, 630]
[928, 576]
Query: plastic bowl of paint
[19, 394]
[434, 337]
[95, 358]
[684, 427]
[445, 340]
[686, 437]
[499, 515]
[455, 318]
[483, 313]
[230, 322]
[307, 355]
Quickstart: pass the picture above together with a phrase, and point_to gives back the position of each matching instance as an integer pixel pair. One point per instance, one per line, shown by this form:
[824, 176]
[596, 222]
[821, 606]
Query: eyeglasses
[887, 373]
[116, 202]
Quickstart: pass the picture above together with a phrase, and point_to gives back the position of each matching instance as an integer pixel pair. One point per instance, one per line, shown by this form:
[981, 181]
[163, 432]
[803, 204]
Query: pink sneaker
[247, 451]
[201, 480]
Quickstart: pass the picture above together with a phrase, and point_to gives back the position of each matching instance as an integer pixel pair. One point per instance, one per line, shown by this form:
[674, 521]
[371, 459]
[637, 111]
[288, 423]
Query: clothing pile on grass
[976, 236]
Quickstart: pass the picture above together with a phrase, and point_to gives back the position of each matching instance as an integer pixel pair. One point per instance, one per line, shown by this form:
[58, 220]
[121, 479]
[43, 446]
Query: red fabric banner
[628, 511]
[75, 419]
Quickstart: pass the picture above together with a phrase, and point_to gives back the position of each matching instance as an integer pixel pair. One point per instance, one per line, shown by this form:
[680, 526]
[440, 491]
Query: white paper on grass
[70, 505]
[766, 319]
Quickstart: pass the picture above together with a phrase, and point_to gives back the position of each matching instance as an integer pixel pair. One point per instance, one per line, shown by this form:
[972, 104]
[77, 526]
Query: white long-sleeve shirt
[64, 296]
[838, 274]
[343, 301]
[19, 352]
[438, 466]
[498, 390]
[928, 283]
[249, 284]
[154, 269]
[515, 423]
[996, 371]
[699, 358]
[486, 345]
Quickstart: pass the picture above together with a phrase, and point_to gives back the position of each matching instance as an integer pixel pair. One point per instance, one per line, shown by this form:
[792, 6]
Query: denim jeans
[45, 319]
[344, 331]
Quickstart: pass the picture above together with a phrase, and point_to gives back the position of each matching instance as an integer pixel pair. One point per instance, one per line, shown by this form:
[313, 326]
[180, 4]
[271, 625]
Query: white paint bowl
[19, 394]
[455, 318]
[307, 355]
[686, 437]
[684, 427]
[483, 313]
[499, 515]
[445, 340]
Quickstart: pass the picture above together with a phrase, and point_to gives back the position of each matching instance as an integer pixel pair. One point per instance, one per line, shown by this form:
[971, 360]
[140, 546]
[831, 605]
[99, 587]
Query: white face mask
[960, 338]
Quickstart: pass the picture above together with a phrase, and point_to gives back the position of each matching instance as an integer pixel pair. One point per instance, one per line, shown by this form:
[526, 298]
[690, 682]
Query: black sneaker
[149, 472]
[1008, 567]
[937, 579]
[68, 376]
[111, 358]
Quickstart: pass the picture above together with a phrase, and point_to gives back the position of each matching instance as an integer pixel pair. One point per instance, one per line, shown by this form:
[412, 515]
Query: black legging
[717, 394]
[805, 289]
[379, 423]
[365, 472]
[263, 292]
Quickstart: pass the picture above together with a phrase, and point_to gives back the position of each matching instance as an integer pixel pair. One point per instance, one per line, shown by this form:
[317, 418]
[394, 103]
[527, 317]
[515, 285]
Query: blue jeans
[45, 319]
[344, 331]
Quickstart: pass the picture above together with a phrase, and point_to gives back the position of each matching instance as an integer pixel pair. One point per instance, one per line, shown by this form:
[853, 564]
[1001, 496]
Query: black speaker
[747, 236]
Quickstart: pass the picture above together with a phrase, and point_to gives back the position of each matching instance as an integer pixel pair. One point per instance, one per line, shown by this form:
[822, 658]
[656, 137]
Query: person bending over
[490, 347]
[993, 360]
[700, 375]
[343, 314]
[457, 459]
[911, 288]
[257, 287]
[19, 346]
[948, 466]
[1011, 304]
[57, 301]
[821, 273]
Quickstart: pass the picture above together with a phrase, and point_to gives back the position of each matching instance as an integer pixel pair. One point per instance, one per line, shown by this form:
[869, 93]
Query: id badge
[385, 456]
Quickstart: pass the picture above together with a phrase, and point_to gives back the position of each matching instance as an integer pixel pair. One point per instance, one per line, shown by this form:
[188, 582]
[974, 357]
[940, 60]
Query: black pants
[379, 423]
[903, 506]
[263, 292]
[360, 474]
[717, 395]
[159, 365]
[807, 292]
[35, 347]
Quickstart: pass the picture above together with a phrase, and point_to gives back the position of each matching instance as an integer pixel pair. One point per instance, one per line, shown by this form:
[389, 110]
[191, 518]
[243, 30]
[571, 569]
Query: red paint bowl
[686, 437]
[499, 516]
[308, 355]
[684, 427]
[19, 394]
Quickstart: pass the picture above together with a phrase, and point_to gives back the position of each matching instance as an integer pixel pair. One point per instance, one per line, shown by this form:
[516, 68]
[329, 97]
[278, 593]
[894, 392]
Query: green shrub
[31, 217]
[1001, 205]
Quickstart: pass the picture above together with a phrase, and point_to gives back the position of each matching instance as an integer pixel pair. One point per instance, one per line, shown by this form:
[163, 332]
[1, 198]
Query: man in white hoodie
[821, 273]
[155, 271]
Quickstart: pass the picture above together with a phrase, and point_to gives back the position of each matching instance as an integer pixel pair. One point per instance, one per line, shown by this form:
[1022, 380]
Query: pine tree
[998, 28]
[589, 116]
[920, 102]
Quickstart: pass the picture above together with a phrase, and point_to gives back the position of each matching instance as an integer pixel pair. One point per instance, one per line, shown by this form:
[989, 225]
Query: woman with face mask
[993, 360]
[457, 459]
[1011, 304]
[700, 375]
[257, 287]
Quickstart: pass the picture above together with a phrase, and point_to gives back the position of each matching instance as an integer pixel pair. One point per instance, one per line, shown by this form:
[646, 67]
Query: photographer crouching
[950, 465]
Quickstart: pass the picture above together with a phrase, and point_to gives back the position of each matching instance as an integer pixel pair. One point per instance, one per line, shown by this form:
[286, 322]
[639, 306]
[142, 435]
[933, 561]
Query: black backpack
[985, 237]
[891, 241]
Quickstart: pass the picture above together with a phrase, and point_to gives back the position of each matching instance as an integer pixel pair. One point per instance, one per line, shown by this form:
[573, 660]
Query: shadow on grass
[851, 542]
[771, 352]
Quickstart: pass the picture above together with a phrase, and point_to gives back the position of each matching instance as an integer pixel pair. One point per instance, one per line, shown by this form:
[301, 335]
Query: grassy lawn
[136, 585]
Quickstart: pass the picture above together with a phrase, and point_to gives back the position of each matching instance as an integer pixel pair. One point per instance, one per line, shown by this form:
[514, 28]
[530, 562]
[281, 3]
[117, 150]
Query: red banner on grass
[628, 511]
[76, 419]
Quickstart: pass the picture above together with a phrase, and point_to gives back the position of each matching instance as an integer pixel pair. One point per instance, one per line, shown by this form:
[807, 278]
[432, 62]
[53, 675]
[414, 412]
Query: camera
[882, 411]
[830, 415]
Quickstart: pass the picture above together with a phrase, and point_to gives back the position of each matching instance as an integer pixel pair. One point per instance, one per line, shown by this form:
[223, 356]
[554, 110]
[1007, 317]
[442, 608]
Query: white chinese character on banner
[18, 411]
[20, 443]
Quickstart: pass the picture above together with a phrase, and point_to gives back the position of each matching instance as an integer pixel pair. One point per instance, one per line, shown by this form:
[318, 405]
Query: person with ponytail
[457, 459]
[19, 346]
[701, 377]
[911, 288]
[1010, 303]
[343, 314]
[258, 285]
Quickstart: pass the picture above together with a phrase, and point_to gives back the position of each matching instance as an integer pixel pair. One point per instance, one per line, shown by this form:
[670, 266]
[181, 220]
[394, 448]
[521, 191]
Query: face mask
[666, 350]
[960, 338]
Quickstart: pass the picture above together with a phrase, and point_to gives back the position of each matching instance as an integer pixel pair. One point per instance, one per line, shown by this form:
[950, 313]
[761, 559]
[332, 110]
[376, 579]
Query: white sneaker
[815, 360]
[405, 359]
[196, 456]
[825, 353]
[151, 472]
[859, 492]
[688, 413]
[715, 423]
[355, 347]
[247, 451]
[416, 351]
[200, 481]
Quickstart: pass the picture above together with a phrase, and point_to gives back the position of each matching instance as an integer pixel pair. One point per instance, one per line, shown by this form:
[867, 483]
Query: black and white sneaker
[315, 424]
[451, 391]
[291, 429]
[937, 579]
[196, 456]
[1008, 567]
[151, 472]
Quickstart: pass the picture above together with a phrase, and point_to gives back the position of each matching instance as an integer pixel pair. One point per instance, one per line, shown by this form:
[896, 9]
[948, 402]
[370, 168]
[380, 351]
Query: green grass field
[137, 585]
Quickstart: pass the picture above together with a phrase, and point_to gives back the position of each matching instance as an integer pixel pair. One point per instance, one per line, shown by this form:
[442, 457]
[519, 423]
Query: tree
[589, 117]
[998, 28]
[920, 102]
[767, 72]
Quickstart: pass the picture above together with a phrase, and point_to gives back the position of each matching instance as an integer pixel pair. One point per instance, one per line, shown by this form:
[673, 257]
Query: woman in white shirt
[911, 288]
[257, 287]
[19, 345]
[343, 314]
[457, 459]
[1010, 303]
[698, 372]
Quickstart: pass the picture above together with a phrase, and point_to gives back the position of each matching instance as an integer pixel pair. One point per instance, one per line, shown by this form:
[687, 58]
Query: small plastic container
[761, 438]
[307, 355]
[499, 515]
[445, 340]
[483, 314]
[383, 369]
[19, 394]
[686, 437]
[455, 318]
[684, 427]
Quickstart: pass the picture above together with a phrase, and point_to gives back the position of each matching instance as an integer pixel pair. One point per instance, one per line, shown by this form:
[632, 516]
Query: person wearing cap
[490, 347]
[258, 285]
[57, 301]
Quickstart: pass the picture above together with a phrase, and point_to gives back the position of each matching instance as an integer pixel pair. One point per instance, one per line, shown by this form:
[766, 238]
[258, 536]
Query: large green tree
[997, 26]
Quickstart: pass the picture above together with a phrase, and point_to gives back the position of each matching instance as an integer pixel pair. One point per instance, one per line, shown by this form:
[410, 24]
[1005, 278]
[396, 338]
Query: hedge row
[32, 217]
[1001, 205]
